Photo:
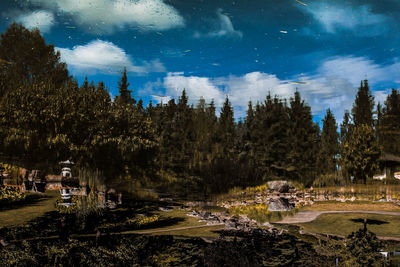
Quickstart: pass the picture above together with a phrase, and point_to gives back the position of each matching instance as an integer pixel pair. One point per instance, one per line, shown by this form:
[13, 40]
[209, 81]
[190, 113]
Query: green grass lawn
[351, 205]
[35, 206]
[184, 221]
[341, 224]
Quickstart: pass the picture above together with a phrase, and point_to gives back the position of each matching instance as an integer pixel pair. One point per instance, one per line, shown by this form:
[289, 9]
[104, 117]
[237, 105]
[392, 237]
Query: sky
[217, 48]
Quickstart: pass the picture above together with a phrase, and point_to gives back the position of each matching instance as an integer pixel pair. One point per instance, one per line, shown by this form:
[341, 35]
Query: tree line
[45, 116]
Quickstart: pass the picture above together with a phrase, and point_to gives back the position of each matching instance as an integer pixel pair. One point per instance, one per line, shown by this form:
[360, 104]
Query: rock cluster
[280, 204]
[241, 222]
[281, 187]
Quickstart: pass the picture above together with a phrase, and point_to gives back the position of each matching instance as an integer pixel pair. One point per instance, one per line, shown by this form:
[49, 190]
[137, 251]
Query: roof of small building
[66, 162]
[389, 157]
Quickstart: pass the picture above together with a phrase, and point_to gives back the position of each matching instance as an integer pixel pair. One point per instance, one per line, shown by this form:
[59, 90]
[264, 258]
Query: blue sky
[240, 48]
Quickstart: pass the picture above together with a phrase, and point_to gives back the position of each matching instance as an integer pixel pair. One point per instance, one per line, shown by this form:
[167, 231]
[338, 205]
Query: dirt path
[173, 229]
[309, 216]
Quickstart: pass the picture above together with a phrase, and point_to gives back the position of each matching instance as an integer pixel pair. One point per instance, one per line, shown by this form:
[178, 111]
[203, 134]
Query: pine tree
[390, 124]
[226, 125]
[85, 84]
[329, 142]
[360, 153]
[140, 105]
[360, 150]
[124, 94]
[270, 138]
[363, 106]
[345, 127]
[100, 86]
[247, 143]
[304, 136]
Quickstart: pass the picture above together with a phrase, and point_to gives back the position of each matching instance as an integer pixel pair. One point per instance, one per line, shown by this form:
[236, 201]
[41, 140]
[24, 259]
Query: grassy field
[35, 206]
[342, 224]
[354, 205]
[183, 221]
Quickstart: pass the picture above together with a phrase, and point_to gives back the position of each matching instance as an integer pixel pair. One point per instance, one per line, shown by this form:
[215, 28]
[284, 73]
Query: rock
[3, 242]
[166, 209]
[280, 186]
[111, 204]
[267, 224]
[231, 224]
[167, 199]
[244, 219]
[207, 214]
[213, 221]
[193, 214]
[279, 204]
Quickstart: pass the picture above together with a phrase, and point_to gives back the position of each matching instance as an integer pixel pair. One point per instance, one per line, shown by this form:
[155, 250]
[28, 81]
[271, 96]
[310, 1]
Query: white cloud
[41, 19]
[105, 57]
[196, 87]
[223, 27]
[333, 86]
[380, 96]
[353, 69]
[334, 16]
[107, 15]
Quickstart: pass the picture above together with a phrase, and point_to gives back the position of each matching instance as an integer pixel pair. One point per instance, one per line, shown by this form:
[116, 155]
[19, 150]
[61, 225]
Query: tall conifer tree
[124, 93]
[363, 106]
[329, 142]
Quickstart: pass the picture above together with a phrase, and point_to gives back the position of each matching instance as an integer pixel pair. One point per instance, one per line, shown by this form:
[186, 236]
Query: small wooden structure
[390, 166]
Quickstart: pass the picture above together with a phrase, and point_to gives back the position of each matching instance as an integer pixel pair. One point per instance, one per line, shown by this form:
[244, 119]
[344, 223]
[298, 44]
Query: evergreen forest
[46, 117]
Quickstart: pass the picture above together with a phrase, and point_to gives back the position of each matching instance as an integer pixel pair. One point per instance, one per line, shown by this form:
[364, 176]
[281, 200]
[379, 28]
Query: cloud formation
[105, 57]
[196, 87]
[107, 15]
[223, 27]
[334, 85]
[41, 19]
[333, 17]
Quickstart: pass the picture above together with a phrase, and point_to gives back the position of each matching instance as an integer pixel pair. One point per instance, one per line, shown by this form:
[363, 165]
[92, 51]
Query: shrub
[9, 194]
[142, 221]
[324, 180]
[67, 209]
[257, 212]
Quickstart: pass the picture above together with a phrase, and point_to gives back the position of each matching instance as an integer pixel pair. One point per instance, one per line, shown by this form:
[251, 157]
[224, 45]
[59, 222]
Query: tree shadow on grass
[30, 200]
[368, 221]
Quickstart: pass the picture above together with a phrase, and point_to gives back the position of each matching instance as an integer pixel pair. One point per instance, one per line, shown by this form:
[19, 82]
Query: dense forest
[46, 116]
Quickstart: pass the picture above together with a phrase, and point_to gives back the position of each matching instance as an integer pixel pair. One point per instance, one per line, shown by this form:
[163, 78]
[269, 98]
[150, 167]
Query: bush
[67, 209]
[325, 180]
[257, 212]
[142, 221]
[10, 194]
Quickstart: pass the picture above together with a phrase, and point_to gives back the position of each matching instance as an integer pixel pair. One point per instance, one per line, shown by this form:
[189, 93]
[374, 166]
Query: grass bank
[181, 221]
[344, 224]
[34, 206]
[351, 205]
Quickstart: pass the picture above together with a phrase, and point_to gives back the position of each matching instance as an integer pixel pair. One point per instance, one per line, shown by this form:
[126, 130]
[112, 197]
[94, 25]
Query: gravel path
[309, 216]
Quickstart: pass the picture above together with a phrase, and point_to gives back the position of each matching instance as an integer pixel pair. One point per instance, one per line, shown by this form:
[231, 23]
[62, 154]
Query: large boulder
[280, 204]
[280, 186]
